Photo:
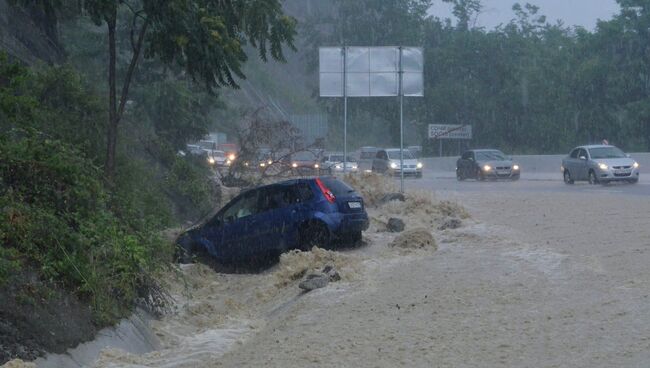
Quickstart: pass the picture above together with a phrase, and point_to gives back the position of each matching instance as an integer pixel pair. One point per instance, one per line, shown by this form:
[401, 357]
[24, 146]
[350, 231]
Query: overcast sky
[572, 12]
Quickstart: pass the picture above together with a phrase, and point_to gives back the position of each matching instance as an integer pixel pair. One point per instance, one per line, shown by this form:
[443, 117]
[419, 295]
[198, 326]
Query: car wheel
[314, 234]
[567, 177]
[592, 178]
[479, 175]
[633, 181]
[515, 178]
[459, 175]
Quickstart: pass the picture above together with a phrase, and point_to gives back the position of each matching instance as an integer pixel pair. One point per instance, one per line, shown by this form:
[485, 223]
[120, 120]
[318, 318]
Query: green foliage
[56, 217]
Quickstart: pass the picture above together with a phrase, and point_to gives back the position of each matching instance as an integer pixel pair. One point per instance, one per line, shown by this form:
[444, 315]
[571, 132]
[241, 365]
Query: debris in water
[18, 363]
[451, 223]
[295, 264]
[415, 238]
[314, 281]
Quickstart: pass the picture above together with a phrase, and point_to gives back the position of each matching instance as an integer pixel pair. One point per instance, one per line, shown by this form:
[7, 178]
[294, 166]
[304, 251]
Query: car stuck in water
[261, 223]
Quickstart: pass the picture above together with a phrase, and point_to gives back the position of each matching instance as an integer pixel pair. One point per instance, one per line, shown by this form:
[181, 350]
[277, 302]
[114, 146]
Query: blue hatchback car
[268, 220]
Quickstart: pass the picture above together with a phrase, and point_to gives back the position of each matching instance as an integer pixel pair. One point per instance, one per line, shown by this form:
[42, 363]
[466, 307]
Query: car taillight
[326, 191]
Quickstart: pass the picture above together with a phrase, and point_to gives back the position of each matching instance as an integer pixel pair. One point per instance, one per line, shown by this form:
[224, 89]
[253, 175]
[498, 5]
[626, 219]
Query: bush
[55, 217]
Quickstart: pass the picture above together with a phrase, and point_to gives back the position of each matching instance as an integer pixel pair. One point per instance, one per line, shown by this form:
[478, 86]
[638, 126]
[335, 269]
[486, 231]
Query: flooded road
[549, 280]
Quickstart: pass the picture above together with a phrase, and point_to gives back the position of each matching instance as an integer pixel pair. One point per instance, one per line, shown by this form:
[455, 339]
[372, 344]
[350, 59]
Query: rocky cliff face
[30, 34]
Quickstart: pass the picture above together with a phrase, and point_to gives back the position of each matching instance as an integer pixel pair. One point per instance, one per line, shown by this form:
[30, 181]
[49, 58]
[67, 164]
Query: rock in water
[332, 273]
[395, 225]
[314, 281]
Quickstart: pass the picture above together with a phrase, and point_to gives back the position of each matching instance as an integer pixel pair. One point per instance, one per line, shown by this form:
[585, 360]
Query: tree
[207, 38]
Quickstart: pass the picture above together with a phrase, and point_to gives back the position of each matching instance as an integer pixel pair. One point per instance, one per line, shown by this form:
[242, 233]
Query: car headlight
[635, 165]
[515, 167]
[338, 166]
[602, 166]
[231, 157]
[419, 165]
[228, 162]
[393, 165]
[316, 166]
[294, 165]
[269, 162]
[262, 164]
[211, 160]
[487, 168]
[355, 167]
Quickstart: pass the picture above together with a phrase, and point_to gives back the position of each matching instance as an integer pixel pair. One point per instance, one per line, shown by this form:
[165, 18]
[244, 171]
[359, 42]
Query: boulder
[314, 281]
[331, 273]
[395, 225]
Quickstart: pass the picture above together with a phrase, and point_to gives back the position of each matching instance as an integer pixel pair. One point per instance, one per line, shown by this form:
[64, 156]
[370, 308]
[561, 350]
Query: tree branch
[129, 74]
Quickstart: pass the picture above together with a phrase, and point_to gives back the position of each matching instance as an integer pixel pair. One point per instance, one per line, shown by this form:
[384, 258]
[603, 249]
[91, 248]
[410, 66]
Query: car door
[470, 165]
[463, 164]
[582, 164]
[238, 235]
[270, 221]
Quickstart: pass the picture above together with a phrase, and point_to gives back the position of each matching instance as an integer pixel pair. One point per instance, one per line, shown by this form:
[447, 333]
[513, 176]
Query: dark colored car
[481, 164]
[266, 221]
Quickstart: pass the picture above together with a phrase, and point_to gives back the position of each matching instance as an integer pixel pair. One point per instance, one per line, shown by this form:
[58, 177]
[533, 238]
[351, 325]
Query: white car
[218, 158]
[599, 164]
[333, 163]
[388, 162]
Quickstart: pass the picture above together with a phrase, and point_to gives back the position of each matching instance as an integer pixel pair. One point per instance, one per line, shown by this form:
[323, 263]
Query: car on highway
[365, 157]
[305, 162]
[271, 219]
[218, 158]
[482, 164]
[387, 161]
[599, 164]
[332, 162]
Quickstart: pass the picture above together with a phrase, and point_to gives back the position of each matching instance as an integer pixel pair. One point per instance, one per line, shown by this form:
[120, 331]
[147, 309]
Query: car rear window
[337, 187]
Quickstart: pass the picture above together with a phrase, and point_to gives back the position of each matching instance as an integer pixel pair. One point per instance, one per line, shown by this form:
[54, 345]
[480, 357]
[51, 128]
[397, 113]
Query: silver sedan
[599, 164]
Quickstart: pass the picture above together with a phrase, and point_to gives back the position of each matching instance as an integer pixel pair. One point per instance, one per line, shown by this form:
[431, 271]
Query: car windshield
[338, 187]
[219, 154]
[304, 156]
[394, 155]
[490, 156]
[606, 152]
[339, 158]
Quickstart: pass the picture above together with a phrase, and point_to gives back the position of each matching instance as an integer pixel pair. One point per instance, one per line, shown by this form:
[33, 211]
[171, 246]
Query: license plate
[354, 204]
[623, 172]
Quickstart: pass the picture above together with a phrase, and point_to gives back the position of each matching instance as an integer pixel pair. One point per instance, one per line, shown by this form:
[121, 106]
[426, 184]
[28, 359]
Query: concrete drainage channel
[132, 335]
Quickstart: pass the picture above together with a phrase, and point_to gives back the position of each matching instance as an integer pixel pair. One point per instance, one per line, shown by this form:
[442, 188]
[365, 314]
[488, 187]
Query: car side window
[246, 206]
[582, 153]
[271, 198]
[466, 155]
[574, 153]
[298, 193]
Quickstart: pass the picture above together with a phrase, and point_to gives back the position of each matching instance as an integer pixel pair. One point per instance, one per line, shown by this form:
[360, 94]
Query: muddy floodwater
[523, 281]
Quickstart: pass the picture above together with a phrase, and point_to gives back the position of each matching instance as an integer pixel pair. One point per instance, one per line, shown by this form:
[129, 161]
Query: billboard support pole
[345, 113]
[440, 147]
[401, 125]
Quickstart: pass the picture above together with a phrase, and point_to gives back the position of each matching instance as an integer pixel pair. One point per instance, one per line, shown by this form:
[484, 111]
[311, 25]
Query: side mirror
[583, 158]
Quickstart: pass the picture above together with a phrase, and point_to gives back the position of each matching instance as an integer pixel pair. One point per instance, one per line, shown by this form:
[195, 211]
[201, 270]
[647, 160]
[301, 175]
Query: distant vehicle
[482, 164]
[388, 162]
[305, 162]
[266, 221]
[366, 156]
[230, 149]
[194, 149]
[333, 163]
[599, 164]
[218, 158]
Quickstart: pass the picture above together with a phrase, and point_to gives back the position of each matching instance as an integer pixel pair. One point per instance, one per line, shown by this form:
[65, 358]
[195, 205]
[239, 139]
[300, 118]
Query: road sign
[450, 131]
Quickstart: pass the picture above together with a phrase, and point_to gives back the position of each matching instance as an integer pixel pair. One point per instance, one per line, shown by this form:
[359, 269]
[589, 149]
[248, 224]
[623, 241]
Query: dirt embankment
[36, 317]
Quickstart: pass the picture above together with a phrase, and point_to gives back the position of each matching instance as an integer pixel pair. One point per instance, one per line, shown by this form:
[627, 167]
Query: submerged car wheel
[184, 249]
[314, 234]
[592, 178]
[567, 177]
